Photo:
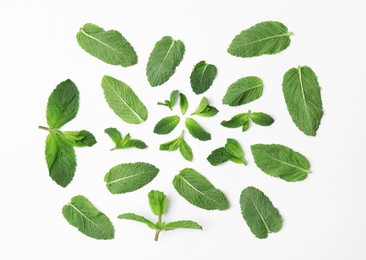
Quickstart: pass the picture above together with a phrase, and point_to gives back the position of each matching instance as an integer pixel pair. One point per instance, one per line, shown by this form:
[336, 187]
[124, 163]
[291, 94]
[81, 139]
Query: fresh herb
[164, 58]
[243, 91]
[166, 125]
[183, 103]
[127, 177]
[232, 151]
[123, 142]
[242, 120]
[263, 38]
[180, 143]
[302, 95]
[204, 109]
[172, 100]
[259, 213]
[123, 101]
[83, 215]
[108, 46]
[199, 191]
[196, 130]
[280, 161]
[158, 205]
[202, 76]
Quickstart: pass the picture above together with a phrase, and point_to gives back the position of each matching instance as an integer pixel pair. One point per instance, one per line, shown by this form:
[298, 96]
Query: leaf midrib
[260, 215]
[125, 178]
[303, 95]
[166, 56]
[289, 164]
[83, 215]
[265, 39]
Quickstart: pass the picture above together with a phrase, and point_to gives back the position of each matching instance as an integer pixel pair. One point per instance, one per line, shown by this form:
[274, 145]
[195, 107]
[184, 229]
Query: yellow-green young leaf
[114, 134]
[164, 58]
[108, 46]
[63, 104]
[166, 125]
[81, 138]
[196, 130]
[83, 215]
[127, 177]
[302, 95]
[157, 202]
[60, 158]
[202, 76]
[280, 161]
[123, 101]
[123, 143]
[243, 91]
[183, 103]
[259, 213]
[199, 191]
[263, 38]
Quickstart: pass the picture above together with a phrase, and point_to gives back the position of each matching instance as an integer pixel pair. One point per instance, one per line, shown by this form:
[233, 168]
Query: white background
[324, 215]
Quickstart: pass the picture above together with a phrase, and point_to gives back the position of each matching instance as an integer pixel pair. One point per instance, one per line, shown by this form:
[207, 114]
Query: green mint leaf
[166, 125]
[80, 138]
[138, 218]
[108, 46]
[183, 103]
[129, 177]
[83, 215]
[164, 58]
[243, 91]
[259, 213]
[180, 143]
[218, 156]
[233, 147]
[171, 145]
[173, 98]
[196, 130]
[302, 95]
[202, 76]
[262, 119]
[114, 134]
[280, 161]
[123, 101]
[157, 202]
[181, 224]
[186, 150]
[199, 191]
[237, 121]
[63, 104]
[136, 143]
[242, 120]
[123, 143]
[201, 107]
[209, 112]
[60, 158]
[263, 38]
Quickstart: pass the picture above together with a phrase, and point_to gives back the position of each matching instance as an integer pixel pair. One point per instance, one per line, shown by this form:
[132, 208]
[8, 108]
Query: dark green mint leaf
[196, 130]
[218, 156]
[242, 120]
[166, 125]
[202, 76]
[262, 119]
[243, 91]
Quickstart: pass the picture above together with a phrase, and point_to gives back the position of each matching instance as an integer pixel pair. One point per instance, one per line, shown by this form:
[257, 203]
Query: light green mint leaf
[108, 46]
[196, 130]
[183, 103]
[127, 177]
[60, 158]
[166, 125]
[233, 147]
[180, 143]
[262, 119]
[199, 191]
[114, 134]
[202, 76]
[172, 100]
[280, 161]
[181, 224]
[171, 145]
[242, 120]
[243, 91]
[83, 215]
[302, 95]
[201, 107]
[157, 202]
[123, 143]
[63, 104]
[259, 213]
[80, 138]
[186, 150]
[218, 156]
[138, 218]
[123, 101]
[165, 57]
[263, 38]
[204, 109]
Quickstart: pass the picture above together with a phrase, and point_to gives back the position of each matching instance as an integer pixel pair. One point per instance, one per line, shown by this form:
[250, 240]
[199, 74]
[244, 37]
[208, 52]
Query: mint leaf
[202, 76]
[108, 46]
[262, 119]
[171, 145]
[164, 58]
[233, 147]
[181, 224]
[63, 104]
[186, 150]
[180, 143]
[280, 161]
[263, 38]
[204, 109]
[218, 156]
[242, 120]
[83, 215]
[166, 125]
[302, 95]
[259, 213]
[243, 91]
[115, 135]
[171, 102]
[127, 177]
[123, 101]
[183, 103]
[123, 143]
[60, 158]
[138, 218]
[199, 191]
[196, 130]
[157, 202]
[136, 143]
[80, 138]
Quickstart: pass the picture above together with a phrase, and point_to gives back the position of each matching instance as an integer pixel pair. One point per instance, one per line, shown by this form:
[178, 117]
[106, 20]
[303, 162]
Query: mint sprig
[123, 142]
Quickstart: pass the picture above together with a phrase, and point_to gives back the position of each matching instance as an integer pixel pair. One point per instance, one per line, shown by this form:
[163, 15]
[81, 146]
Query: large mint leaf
[83, 215]
[202, 76]
[123, 101]
[63, 104]
[280, 161]
[164, 58]
[243, 91]
[302, 95]
[199, 191]
[263, 38]
[259, 213]
[108, 46]
[127, 177]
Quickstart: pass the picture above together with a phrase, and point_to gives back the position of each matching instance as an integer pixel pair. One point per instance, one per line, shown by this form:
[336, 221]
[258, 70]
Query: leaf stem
[44, 128]
[159, 227]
